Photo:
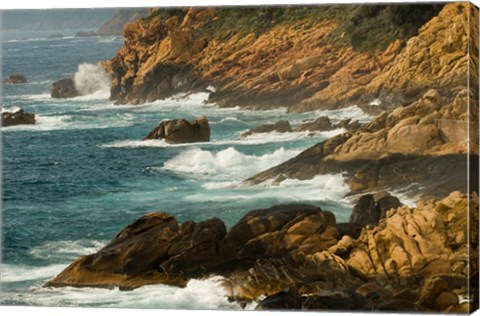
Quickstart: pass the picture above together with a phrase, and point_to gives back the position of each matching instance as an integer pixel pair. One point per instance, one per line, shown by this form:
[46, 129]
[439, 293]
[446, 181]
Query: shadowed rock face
[64, 89]
[17, 118]
[182, 131]
[156, 249]
[415, 259]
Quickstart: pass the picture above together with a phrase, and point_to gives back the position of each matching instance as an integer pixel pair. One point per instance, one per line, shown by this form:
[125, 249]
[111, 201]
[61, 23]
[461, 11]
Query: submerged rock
[279, 127]
[15, 79]
[17, 118]
[182, 131]
[64, 89]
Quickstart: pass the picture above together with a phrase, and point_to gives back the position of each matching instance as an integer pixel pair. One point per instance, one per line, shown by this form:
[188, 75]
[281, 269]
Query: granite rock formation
[182, 131]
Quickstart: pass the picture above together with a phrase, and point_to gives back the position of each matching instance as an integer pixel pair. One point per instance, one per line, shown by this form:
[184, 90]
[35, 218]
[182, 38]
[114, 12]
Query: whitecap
[43, 123]
[352, 112]
[225, 164]
[92, 79]
[65, 122]
[41, 96]
[197, 294]
[18, 273]
[10, 109]
[65, 250]
[322, 188]
[254, 139]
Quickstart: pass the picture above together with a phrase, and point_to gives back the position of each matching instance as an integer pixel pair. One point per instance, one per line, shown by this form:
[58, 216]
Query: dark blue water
[73, 180]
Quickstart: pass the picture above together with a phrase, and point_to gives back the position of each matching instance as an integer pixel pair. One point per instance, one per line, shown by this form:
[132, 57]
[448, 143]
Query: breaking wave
[225, 164]
[90, 79]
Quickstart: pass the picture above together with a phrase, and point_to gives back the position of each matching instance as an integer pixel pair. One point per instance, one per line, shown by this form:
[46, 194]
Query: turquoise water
[73, 180]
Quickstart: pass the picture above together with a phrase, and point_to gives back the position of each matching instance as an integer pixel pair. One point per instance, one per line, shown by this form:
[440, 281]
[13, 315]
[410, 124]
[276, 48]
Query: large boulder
[16, 78]
[64, 89]
[182, 131]
[279, 127]
[18, 117]
[156, 249]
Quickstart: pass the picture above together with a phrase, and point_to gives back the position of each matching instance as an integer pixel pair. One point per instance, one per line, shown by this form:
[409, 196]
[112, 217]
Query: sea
[82, 172]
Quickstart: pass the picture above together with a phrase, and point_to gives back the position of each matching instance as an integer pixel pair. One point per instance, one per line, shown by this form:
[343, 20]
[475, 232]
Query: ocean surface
[82, 173]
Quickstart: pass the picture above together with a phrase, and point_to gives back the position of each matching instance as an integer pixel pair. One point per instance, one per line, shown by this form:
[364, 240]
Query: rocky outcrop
[16, 78]
[182, 131]
[422, 242]
[304, 63]
[279, 127]
[114, 26]
[17, 118]
[156, 249]
[430, 134]
[416, 259]
[64, 89]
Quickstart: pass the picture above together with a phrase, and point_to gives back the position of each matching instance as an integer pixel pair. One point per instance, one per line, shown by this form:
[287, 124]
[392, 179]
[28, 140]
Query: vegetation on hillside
[366, 27]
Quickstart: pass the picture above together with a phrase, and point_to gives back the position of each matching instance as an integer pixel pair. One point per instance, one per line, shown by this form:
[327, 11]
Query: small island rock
[64, 88]
[182, 131]
[17, 118]
[16, 78]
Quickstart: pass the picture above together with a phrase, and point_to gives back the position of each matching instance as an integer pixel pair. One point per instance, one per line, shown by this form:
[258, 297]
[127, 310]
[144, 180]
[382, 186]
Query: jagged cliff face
[304, 64]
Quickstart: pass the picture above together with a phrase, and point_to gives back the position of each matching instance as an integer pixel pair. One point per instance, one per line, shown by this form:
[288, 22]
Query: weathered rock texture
[182, 131]
[156, 249]
[307, 62]
[17, 118]
[64, 89]
[415, 259]
[430, 134]
[16, 78]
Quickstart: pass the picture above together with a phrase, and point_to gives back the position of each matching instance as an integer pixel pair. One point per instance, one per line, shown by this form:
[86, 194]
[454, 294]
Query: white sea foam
[15, 273]
[41, 96]
[91, 79]
[43, 123]
[10, 109]
[328, 187]
[66, 122]
[353, 112]
[254, 139]
[198, 294]
[66, 249]
[225, 164]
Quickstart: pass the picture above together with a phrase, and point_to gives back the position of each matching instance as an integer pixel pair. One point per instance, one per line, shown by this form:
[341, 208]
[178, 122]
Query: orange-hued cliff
[309, 62]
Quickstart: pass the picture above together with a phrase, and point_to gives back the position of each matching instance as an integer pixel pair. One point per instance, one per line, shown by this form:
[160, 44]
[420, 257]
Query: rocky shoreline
[305, 65]
[404, 258]
[422, 141]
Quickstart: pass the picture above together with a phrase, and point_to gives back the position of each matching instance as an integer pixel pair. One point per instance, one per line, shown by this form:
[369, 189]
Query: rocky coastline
[298, 252]
[422, 141]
